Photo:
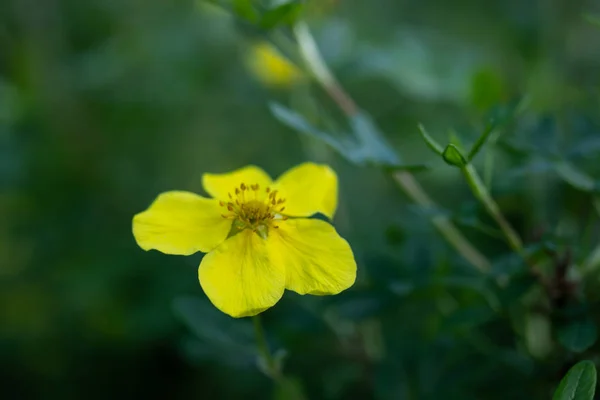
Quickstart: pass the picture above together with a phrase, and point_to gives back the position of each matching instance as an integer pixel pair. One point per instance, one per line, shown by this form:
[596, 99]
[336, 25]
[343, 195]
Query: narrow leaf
[283, 14]
[452, 156]
[578, 384]
[371, 140]
[431, 143]
[365, 145]
[297, 122]
[576, 178]
[483, 138]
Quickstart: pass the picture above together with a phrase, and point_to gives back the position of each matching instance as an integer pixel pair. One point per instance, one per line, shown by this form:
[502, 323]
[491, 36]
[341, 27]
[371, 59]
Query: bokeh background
[105, 104]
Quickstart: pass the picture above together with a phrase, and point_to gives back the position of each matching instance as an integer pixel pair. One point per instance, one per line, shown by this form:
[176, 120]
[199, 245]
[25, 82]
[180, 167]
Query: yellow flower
[271, 68]
[257, 235]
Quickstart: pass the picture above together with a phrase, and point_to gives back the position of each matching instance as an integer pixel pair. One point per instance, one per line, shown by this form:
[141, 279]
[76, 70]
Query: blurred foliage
[104, 104]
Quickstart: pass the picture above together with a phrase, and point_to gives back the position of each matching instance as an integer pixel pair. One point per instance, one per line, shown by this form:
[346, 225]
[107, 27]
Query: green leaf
[576, 178]
[297, 122]
[578, 335]
[593, 19]
[289, 388]
[285, 13]
[487, 88]
[452, 156]
[578, 384]
[483, 138]
[431, 143]
[371, 141]
[210, 325]
[245, 10]
[366, 145]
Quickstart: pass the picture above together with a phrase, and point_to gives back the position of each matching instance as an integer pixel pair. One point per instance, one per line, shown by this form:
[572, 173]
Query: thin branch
[317, 66]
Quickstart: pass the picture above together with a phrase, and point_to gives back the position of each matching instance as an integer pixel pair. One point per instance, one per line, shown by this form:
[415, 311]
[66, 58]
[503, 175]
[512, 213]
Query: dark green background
[105, 104]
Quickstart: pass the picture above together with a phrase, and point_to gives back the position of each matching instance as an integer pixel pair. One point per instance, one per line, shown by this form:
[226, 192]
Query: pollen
[253, 208]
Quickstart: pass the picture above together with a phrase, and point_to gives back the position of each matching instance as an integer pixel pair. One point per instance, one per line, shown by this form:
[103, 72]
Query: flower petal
[239, 278]
[218, 185]
[316, 259]
[308, 189]
[181, 223]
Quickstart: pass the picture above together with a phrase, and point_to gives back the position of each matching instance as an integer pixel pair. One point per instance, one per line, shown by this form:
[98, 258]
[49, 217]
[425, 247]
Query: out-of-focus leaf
[596, 203]
[297, 122]
[474, 223]
[482, 139]
[357, 305]
[407, 168]
[487, 88]
[366, 145]
[516, 280]
[431, 142]
[593, 19]
[289, 388]
[468, 317]
[10, 103]
[476, 283]
[217, 332]
[578, 384]
[285, 13]
[245, 10]
[372, 141]
[576, 178]
[538, 337]
[453, 157]
[578, 335]
[587, 147]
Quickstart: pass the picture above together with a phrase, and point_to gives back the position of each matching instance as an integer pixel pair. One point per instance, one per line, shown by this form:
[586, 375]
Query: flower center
[253, 208]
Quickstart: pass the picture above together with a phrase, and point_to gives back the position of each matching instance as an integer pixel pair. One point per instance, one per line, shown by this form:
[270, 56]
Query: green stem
[263, 348]
[482, 194]
[323, 75]
[442, 223]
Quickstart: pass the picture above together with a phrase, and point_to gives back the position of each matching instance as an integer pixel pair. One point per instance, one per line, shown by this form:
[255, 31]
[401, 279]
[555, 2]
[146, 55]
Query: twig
[405, 180]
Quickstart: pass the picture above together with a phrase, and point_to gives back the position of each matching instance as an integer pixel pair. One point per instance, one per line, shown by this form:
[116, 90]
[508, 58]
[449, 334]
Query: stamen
[257, 213]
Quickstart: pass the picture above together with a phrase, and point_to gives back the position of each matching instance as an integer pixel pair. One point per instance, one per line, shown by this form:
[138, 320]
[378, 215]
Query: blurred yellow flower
[257, 235]
[271, 68]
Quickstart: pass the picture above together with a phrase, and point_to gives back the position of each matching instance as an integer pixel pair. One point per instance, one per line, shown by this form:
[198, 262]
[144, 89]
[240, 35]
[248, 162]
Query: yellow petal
[316, 259]
[239, 278]
[308, 189]
[181, 223]
[219, 185]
